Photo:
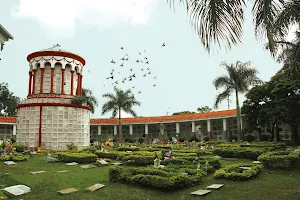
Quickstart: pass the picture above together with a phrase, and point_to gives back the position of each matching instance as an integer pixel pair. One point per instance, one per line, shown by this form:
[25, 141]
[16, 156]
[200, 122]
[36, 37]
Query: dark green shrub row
[233, 172]
[128, 149]
[77, 157]
[138, 160]
[279, 159]
[243, 152]
[20, 148]
[154, 178]
[110, 155]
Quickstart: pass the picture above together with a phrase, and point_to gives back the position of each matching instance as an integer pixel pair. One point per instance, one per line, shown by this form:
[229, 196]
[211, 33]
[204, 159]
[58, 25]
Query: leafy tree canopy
[8, 101]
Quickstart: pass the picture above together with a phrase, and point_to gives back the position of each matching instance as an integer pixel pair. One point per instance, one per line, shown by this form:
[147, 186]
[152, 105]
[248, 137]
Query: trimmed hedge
[279, 159]
[161, 179]
[243, 152]
[233, 172]
[14, 158]
[138, 160]
[20, 148]
[77, 157]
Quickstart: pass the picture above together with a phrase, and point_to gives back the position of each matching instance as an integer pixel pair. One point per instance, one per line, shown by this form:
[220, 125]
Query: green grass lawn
[270, 184]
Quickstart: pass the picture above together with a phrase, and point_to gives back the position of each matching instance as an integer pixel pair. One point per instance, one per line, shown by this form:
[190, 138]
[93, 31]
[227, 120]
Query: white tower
[47, 118]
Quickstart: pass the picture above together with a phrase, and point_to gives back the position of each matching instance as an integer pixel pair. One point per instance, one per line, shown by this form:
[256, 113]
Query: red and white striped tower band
[47, 117]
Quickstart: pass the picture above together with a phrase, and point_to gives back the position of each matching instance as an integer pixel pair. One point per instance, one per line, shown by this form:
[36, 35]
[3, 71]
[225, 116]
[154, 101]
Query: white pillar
[224, 124]
[241, 123]
[193, 127]
[146, 129]
[115, 130]
[130, 130]
[14, 129]
[177, 128]
[208, 125]
[99, 129]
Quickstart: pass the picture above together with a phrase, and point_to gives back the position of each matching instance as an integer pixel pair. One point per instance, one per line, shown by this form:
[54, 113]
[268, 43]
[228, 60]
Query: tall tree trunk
[120, 127]
[238, 113]
[295, 137]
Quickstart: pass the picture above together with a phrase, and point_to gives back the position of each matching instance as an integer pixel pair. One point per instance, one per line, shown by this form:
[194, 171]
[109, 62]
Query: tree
[87, 98]
[204, 109]
[8, 101]
[276, 100]
[222, 21]
[183, 112]
[238, 79]
[121, 100]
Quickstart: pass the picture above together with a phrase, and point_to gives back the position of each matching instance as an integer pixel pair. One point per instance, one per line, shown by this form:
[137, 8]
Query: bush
[141, 140]
[193, 138]
[20, 148]
[161, 179]
[264, 137]
[77, 157]
[129, 140]
[71, 146]
[138, 160]
[233, 172]
[110, 155]
[233, 137]
[249, 138]
[235, 152]
[13, 158]
[279, 159]
[206, 139]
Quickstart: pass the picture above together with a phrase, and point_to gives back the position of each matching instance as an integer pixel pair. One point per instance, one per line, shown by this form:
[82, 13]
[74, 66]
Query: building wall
[60, 126]
[6, 132]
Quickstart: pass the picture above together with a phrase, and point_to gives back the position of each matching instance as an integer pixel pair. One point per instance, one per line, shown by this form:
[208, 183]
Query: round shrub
[249, 138]
[234, 172]
[20, 147]
[279, 159]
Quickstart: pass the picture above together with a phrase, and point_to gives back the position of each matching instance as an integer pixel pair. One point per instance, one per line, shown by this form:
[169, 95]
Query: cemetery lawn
[270, 184]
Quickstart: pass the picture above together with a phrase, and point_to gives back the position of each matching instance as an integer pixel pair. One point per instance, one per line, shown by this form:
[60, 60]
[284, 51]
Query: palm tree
[218, 21]
[86, 98]
[240, 76]
[121, 100]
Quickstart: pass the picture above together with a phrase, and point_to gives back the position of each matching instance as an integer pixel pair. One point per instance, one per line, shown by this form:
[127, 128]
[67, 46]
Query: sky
[96, 29]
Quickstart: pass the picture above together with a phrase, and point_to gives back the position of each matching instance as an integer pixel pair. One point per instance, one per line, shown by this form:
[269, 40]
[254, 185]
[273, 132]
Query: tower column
[72, 82]
[62, 81]
[34, 76]
[80, 91]
[78, 80]
[30, 83]
[52, 80]
[42, 80]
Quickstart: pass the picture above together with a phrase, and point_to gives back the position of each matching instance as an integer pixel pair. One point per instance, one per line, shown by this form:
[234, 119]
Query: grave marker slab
[17, 190]
[67, 191]
[72, 163]
[10, 163]
[256, 162]
[214, 186]
[88, 166]
[246, 168]
[63, 171]
[37, 172]
[102, 162]
[95, 187]
[200, 192]
[117, 163]
[33, 152]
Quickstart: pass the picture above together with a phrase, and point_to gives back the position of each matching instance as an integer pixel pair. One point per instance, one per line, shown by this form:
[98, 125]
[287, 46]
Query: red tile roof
[4, 119]
[137, 120]
[183, 117]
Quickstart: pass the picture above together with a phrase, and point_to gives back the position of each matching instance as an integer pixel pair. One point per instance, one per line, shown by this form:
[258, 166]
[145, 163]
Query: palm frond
[222, 81]
[222, 96]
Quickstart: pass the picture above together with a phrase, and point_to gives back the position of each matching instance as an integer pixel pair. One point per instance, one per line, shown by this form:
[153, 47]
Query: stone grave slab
[184, 173]
[17, 190]
[63, 171]
[88, 166]
[95, 187]
[117, 163]
[33, 152]
[128, 151]
[72, 163]
[10, 163]
[200, 192]
[256, 162]
[214, 186]
[37, 172]
[102, 162]
[67, 191]
[218, 157]
[246, 168]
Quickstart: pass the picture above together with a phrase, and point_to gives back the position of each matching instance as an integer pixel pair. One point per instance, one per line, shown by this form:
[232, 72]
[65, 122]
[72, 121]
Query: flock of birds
[143, 72]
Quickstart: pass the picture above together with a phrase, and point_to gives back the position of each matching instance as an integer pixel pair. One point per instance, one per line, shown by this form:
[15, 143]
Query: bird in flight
[154, 85]
[137, 61]
[122, 65]
[131, 69]
[148, 68]
[112, 77]
[145, 58]
[126, 54]
[122, 48]
[145, 75]
[140, 53]
[142, 69]
[123, 58]
[164, 44]
[133, 75]
[133, 87]
[113, 62]
[147, 62]
[154, 77]
[149, 72]
[140, 92]
[126, 59]
[116, 82]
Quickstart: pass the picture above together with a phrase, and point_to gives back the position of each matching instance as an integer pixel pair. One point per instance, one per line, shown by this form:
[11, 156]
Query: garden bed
[279, 159]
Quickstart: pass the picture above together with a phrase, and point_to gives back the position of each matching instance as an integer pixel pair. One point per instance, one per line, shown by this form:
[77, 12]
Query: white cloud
[59, 16]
